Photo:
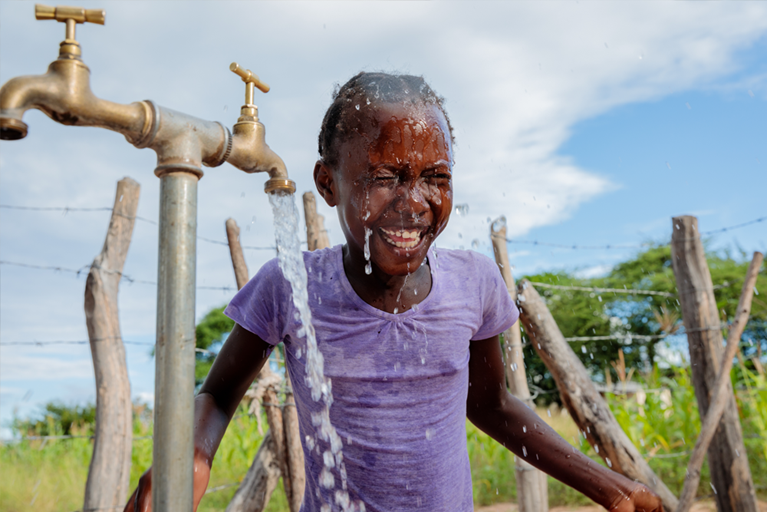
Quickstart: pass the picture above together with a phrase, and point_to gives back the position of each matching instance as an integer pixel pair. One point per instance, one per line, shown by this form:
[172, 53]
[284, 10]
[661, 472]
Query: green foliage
[580, 313]
[56, 419]
[212, 329]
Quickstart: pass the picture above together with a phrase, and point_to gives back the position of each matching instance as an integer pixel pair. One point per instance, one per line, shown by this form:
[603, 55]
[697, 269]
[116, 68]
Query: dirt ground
[703, 506]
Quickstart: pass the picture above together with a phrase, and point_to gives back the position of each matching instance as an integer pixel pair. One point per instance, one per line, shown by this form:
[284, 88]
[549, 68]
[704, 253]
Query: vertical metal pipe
[173, 452]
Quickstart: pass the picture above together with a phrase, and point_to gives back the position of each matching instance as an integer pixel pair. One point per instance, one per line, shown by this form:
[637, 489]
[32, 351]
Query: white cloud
[24, 367]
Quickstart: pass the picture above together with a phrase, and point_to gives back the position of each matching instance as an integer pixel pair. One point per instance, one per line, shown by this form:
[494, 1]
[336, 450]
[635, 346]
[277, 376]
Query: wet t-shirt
[399, 381]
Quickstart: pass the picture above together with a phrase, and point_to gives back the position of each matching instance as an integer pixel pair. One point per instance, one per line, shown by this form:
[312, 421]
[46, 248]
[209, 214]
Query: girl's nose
[411, 200]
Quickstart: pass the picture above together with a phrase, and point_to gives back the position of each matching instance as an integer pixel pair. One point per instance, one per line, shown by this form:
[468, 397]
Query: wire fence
[621, 246]
[67, 209]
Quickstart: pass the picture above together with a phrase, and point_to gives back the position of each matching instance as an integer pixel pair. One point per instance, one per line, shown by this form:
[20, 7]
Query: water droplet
[549, 412]
[326, 479]
[609, 462]
[475, 244]
[524, 451]
[430, 432]
[357, 107]
[524, 428]
[462, 209]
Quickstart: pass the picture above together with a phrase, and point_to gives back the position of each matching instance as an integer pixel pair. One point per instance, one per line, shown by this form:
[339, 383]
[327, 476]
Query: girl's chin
[402, 261]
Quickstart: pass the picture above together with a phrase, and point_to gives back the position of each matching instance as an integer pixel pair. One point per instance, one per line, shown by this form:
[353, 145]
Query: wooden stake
[584, 403]
[235, 249]
[260, 481]
[316, 235]
[730, 474]
[720, 389]
[532, 484]
[295, 452]
[109, 471]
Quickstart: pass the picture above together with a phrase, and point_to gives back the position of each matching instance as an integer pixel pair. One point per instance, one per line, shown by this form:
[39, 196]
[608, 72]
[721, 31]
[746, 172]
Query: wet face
[393, 182]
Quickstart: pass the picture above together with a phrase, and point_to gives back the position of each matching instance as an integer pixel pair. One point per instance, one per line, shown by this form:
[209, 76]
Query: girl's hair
[343, 116]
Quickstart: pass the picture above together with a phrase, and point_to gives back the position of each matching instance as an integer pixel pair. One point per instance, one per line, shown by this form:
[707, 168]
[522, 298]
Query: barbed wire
[79, 271]
[68, 342]
[67, 209]
[619, 246]
[602, 290]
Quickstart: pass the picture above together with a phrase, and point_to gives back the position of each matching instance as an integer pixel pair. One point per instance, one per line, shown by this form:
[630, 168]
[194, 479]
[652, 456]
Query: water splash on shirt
[293, 268]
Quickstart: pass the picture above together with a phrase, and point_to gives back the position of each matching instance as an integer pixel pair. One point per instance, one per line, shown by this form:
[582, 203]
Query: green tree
[580, 313]
[213, 328]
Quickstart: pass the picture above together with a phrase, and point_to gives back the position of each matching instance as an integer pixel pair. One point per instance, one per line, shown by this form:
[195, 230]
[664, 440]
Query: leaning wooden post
[584, 403]
[261, 479]
[235, 250]
[109, 471]
[720, 391]
[730, 474]
[532, 484]
[316, 236]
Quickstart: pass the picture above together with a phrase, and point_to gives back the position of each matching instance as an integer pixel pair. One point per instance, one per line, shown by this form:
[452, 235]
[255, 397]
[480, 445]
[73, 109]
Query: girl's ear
[323, 179]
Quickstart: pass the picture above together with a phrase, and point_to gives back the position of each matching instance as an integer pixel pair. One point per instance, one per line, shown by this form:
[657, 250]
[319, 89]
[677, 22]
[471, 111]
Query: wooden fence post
[261, 479]
[584, 403]
[109, 471]
[719, 394]
[532, 484]
[730, 474]
[235, 250]
[316, 235]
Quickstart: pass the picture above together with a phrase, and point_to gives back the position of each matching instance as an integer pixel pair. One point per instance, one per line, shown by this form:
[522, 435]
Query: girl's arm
[510, 422]
[236, 366]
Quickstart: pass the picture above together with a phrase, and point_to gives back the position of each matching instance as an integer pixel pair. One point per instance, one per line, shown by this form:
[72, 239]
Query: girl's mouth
[404, 238]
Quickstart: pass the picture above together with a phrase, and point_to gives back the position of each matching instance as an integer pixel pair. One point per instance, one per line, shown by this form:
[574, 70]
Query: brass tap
[250, 152]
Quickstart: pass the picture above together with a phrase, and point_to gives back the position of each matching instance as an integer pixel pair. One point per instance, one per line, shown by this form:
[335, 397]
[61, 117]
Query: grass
[51, 476]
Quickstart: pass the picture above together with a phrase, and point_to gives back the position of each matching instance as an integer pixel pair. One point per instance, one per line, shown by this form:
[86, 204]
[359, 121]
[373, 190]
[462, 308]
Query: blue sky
[593, 122]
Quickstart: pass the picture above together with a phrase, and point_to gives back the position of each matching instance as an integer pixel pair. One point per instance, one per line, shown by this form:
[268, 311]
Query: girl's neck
[390, 293]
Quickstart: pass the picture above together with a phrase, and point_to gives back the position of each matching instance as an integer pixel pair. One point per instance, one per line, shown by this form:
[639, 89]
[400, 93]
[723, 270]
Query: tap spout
[64, 95]
[251, 153]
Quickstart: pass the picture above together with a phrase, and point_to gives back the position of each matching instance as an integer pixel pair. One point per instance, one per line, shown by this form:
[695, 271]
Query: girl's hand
[640, 499]
[141, 499]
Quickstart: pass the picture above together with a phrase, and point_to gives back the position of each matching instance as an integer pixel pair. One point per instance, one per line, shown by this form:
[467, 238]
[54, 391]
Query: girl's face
[393, 182]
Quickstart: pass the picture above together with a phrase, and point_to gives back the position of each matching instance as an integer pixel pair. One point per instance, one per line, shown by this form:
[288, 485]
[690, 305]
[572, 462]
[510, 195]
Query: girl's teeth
[415, 237]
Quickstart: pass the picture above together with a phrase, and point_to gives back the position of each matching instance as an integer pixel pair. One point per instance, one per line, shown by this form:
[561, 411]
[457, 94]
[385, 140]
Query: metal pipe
[173, 450]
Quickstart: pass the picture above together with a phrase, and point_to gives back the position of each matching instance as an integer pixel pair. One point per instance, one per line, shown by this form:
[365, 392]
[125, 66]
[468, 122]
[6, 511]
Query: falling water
[368, 265]
[292, 266]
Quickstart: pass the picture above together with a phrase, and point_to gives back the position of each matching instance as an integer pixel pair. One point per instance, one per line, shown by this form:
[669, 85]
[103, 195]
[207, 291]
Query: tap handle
[251, 80]
[76, 14]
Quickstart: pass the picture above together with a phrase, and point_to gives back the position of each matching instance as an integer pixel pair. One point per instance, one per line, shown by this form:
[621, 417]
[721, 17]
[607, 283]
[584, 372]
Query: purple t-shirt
[399, 381]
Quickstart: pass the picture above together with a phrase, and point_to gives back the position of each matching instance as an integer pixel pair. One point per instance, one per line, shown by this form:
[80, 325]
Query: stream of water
[292, 266]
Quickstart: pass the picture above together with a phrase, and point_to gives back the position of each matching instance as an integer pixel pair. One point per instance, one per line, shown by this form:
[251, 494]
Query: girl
[409, 334]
